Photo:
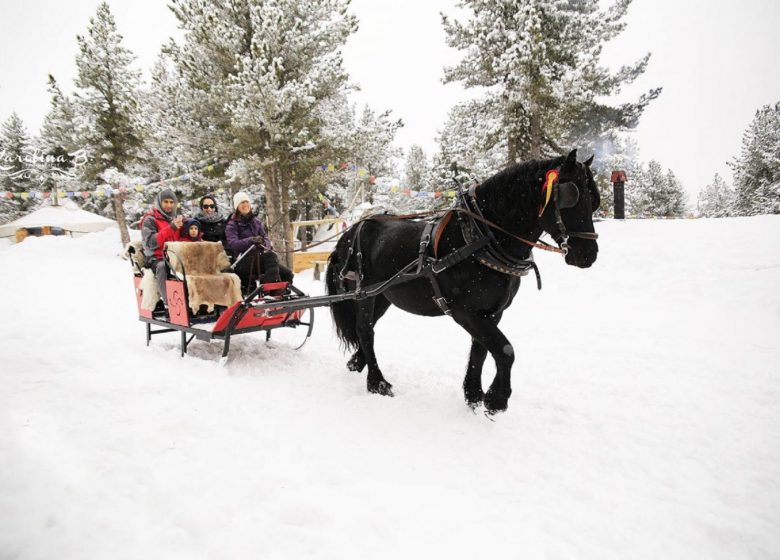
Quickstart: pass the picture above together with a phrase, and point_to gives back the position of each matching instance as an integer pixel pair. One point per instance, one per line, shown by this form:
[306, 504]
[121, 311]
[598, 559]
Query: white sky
[715, 60]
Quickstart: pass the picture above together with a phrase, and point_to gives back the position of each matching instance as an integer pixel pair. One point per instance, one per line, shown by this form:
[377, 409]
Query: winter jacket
[156, 230]
[238, 231]
[213, 231]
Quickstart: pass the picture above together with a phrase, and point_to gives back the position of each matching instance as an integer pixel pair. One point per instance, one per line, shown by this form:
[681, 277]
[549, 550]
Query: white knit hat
[240, 197]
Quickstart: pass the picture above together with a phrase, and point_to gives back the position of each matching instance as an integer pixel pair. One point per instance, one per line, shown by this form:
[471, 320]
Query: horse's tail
[344, 312]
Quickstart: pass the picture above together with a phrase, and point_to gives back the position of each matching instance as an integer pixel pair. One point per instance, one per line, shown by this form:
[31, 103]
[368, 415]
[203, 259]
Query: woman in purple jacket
[243, 232]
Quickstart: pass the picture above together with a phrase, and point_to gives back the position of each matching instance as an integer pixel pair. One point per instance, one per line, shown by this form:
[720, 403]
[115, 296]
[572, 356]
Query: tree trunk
[512, 142]
[273, 205]
[535, 126]
[289, 243]
[117, 199]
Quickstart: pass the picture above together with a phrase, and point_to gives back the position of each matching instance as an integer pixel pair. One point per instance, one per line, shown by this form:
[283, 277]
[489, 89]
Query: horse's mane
[514, 192]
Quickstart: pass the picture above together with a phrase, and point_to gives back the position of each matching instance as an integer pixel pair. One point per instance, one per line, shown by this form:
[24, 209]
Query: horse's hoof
[382, 388]
[494, 404]
[474, 405]
[475, 400]
[356, 363]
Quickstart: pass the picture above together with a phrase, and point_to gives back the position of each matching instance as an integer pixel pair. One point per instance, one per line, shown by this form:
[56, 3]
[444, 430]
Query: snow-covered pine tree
[542, 59]
[255, 74]
[362, 151]
[655, 193]
[16, 171]
[716, 199]
[416, 170]
[58, 143]
[757, 169]
[107, 97]
[472, 139]
[674, 199]
[643, 198]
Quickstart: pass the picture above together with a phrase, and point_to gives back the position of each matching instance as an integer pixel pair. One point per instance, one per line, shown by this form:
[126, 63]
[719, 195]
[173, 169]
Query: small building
[65, 219]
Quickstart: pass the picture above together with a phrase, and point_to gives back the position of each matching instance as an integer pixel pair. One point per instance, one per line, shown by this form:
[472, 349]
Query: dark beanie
[192, 222]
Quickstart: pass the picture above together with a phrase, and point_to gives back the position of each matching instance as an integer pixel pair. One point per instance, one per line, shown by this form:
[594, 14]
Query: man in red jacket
[157, 227]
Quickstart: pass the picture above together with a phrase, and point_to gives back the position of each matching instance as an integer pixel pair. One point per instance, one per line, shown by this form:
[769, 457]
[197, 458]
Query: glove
[258, 240]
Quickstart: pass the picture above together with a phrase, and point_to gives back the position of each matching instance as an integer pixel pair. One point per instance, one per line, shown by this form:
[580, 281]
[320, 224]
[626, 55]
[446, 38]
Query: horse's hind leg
[472, 384]
[357, 362]
[485, 331]
[375, 381]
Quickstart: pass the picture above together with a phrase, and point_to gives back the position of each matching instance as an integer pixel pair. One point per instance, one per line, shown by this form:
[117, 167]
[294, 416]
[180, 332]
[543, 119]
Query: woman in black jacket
[212, 220]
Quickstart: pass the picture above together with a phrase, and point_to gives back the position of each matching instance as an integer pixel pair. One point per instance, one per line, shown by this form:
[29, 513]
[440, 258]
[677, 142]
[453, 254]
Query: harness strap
[345, 274]
[458, 255]
[425, 239]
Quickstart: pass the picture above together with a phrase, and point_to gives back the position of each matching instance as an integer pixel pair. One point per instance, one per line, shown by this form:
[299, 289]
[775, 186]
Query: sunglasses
[209, 206]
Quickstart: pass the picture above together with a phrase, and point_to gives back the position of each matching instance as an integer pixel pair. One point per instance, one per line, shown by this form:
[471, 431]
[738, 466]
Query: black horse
[512, 209]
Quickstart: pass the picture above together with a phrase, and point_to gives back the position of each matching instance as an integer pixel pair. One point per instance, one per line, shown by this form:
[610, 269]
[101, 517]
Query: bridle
[561, 236]
[551, 183]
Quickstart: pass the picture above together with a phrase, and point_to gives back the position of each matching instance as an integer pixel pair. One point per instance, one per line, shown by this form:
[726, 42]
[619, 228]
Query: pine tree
[360, 148]
[673, 204]
[541, 57]
[253, 76]
[59, 143]
[17, 172]
[108, 101]
[757, 169]
[472, 140]
[716, 199]
[655, 193]
[416, 170]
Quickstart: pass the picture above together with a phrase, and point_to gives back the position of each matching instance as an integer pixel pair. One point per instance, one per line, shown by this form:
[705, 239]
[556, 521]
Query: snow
[644, 421]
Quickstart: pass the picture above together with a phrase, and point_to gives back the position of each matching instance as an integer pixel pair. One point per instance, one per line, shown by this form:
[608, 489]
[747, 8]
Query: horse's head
[568, 217]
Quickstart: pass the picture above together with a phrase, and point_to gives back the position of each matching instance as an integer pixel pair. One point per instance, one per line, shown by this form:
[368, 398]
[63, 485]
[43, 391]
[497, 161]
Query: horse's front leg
[485, 331]
[375, 381]
[472, 384]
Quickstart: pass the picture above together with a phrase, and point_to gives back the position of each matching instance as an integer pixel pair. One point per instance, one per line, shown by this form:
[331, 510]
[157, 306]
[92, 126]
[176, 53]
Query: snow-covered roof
[67, 216]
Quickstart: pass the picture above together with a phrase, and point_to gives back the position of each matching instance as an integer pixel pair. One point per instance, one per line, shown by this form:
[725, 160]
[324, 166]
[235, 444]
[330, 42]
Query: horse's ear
[571, 159]
[589, 161]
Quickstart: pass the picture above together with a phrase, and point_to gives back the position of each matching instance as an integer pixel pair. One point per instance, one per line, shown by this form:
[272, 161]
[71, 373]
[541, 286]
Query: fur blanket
[202, 264]
[149, 292]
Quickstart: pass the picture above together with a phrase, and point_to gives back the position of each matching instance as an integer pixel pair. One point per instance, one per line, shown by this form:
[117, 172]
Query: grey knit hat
[167, 194]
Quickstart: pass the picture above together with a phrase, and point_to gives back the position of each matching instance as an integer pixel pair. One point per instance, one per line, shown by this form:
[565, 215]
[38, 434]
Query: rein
[481, 218]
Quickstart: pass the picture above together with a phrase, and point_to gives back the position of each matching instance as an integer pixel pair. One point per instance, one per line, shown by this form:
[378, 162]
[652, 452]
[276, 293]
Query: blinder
[567, 195]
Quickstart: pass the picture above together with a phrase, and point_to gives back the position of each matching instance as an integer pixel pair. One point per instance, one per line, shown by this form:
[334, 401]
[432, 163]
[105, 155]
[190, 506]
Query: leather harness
[481, 243]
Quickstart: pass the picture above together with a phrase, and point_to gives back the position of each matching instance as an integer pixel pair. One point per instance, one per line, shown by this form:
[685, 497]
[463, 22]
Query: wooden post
[117, 200]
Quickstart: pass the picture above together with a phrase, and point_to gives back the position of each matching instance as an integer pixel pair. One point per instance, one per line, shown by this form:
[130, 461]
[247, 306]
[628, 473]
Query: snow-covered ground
[645, 419]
